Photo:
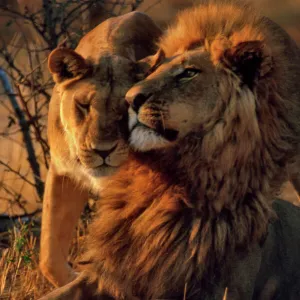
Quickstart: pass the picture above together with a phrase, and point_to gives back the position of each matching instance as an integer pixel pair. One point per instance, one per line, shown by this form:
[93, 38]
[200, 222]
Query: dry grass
[20, 277]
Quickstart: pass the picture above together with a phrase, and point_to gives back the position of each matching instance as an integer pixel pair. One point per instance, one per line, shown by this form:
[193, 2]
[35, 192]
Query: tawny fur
[87, 125]
[177, 216]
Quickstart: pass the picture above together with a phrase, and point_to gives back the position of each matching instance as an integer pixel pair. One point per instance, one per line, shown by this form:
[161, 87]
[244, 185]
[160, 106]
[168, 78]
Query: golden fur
[212, 129]
[87, 124]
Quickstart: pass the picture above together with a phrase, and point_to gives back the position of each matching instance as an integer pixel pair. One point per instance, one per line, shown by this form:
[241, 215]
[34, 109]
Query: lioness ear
[65, 64]
[148, 64]
[249, 60]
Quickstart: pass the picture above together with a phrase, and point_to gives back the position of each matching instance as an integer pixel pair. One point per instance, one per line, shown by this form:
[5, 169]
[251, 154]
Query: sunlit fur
[87, 126]
[178, 215]
[97, 128]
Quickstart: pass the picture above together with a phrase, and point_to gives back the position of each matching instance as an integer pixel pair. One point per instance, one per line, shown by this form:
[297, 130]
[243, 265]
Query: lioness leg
[64, 200]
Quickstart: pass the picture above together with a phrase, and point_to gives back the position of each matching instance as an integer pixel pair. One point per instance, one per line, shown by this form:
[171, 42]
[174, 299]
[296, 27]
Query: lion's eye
[187, 74]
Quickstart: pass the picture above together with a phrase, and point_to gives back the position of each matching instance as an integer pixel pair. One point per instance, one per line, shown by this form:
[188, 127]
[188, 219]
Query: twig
[16, 172]
[32, 121]
[22, 79]
[30, 18]
[16, 197]
[48, 26]
[34, 69]
[68, 20]
[26, 134]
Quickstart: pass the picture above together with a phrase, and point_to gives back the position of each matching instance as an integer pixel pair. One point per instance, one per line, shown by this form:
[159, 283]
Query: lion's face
[173, 101]
[200, 88]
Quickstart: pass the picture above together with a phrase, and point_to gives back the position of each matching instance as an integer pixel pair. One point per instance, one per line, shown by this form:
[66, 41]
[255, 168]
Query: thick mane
[149, 228]
[209, 21]
[264, 123]
[177, 216]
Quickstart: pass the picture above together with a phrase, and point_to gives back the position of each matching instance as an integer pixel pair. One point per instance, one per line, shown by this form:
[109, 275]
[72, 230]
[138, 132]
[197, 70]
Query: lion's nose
[105, 153]
[136, 98]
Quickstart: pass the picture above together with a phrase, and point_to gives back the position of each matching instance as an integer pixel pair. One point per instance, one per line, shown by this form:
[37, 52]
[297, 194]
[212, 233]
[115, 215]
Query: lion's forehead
[174, 65]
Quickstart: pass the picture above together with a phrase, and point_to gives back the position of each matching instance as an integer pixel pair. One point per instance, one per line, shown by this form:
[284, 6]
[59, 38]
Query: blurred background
[29, 30]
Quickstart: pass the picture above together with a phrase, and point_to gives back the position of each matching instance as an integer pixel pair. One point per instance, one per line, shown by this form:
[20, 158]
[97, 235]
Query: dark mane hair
[177, 216]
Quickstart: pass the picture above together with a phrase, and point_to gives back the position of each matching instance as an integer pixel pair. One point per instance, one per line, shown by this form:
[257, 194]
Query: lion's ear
[135, 36]
[65, 64]
[249, 60]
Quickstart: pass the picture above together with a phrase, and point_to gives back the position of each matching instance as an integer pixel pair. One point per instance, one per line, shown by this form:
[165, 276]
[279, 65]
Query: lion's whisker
[225, 294]
[185, 291]
[162, 119]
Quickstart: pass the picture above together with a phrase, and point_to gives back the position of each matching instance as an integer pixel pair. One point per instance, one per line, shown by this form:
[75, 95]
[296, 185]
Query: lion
[87, 124]
[49, 265]
[211, 130]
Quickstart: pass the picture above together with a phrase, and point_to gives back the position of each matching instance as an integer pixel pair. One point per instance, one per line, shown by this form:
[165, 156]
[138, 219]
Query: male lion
[212, 128]
[86, 126]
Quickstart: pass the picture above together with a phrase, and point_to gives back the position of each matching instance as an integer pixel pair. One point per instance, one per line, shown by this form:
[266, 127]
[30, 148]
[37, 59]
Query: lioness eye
[188, 74]
[85, 108]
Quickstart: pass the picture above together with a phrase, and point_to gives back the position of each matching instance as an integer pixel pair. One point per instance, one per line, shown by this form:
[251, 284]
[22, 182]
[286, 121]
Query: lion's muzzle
[136, 97]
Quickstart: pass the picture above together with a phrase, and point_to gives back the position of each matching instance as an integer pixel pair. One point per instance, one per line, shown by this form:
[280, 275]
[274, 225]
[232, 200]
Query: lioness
[211, 128]
[87, 123]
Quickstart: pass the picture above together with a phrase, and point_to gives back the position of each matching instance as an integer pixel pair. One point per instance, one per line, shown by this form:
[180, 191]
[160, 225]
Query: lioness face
[94, 116]
[173, 101]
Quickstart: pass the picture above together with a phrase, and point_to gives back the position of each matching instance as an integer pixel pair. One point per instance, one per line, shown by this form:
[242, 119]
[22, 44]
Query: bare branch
[22, 79]
[31, 18]
[26, 134]
[32, 121]
[10, 169]
[16, 197]
[69, 19]
[34, 69]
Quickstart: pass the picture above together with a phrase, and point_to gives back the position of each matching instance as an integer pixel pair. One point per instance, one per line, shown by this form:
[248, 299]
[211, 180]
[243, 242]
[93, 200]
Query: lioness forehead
[112, 67]
[112, 76]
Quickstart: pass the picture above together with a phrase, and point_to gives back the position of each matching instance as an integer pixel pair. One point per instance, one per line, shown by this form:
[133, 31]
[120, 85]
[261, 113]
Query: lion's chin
[144, 139]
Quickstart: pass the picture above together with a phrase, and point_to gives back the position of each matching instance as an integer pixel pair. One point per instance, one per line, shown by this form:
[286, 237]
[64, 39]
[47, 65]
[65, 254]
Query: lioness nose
[136, 98]
[105, 153]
